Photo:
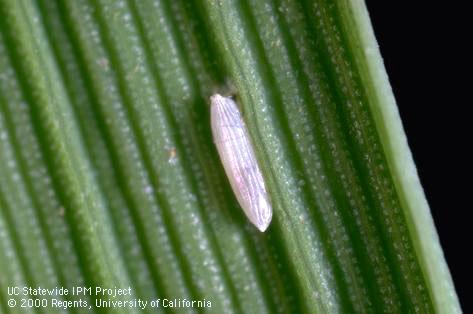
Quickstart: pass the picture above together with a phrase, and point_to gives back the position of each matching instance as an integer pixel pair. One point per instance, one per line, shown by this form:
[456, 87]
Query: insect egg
[239, 160]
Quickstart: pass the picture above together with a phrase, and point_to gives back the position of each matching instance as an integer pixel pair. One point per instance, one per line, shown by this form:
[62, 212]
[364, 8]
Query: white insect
[239, 161]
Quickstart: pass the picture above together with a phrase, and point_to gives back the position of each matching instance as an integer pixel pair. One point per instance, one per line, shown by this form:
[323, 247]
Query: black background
[422, 50]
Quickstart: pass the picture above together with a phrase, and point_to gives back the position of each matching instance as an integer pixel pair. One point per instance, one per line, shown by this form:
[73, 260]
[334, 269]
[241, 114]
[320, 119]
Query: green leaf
[109, 177]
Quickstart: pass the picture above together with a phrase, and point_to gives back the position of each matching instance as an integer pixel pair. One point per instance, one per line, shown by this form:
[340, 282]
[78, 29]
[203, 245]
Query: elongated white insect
[239, 161]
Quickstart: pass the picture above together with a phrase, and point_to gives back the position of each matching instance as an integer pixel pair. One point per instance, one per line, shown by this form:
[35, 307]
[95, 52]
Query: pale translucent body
[239, 160]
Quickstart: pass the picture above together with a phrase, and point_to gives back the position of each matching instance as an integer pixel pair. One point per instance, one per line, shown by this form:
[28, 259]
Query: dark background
[422, 51]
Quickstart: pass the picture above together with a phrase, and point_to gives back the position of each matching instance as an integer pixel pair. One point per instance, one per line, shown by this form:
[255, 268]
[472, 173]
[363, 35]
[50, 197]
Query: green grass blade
[109, 176]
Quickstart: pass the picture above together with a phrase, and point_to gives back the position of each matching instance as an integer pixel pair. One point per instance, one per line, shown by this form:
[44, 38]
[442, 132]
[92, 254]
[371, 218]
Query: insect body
[239, 161]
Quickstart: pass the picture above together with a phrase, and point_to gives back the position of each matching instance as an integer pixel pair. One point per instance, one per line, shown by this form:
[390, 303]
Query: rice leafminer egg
[239, 160]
